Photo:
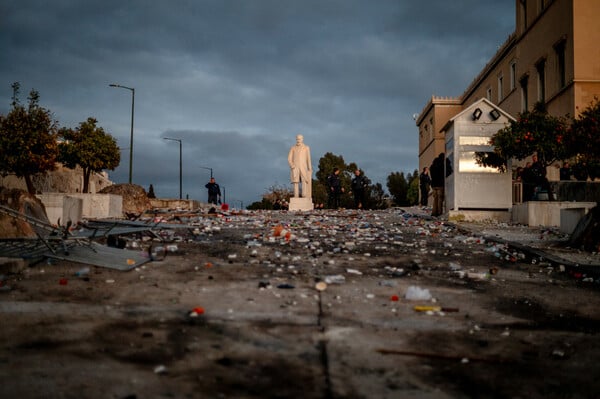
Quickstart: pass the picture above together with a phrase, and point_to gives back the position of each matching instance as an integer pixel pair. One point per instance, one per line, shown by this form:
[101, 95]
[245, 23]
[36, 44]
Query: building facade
[552, 56]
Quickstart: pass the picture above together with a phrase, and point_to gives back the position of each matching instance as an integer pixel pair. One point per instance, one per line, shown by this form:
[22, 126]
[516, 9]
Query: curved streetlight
[211, 172]
[131, 139]
[180, 165]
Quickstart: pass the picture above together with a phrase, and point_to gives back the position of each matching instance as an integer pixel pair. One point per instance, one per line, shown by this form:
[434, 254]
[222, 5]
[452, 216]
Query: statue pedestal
[301, 204]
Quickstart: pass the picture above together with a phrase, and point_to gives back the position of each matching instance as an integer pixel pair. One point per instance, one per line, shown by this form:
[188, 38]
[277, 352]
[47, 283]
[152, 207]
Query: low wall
[544, 213]
[92, 206]
[168, 203]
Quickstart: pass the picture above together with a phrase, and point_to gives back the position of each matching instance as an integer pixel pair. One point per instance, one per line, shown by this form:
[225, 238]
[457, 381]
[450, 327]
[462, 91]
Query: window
[500, 87]
[488, 93]
[559, 48]
[541, 74]
[524, 81]
[524, 13]
[468, 146]
[468, 164]
[473, 140]
[513, 75]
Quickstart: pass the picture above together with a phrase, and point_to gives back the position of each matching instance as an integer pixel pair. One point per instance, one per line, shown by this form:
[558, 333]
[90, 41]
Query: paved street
[329, 304]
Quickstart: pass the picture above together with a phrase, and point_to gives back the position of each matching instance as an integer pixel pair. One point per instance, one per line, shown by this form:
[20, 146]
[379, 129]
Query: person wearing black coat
[359, 186]
[424, 184]
[335, 189]
[437, 184]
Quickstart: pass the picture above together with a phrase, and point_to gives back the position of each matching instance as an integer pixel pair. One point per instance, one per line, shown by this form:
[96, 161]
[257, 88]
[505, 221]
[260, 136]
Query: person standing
[359, 186]
[214, 191]
[424, 184]
[437, 184]
[300, 167]
[335, 189]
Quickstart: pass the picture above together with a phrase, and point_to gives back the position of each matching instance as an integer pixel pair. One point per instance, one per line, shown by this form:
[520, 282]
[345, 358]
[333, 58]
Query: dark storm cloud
[237, 80]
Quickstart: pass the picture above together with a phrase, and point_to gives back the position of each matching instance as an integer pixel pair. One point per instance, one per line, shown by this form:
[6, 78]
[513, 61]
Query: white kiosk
[474, 192]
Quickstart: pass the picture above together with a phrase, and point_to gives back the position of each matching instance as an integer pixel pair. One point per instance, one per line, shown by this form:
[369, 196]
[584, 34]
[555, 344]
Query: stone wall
[62, 180]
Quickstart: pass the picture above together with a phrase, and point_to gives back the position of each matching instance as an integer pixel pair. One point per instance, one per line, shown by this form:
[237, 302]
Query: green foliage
[27, 139]
[89, 147]
[376, 197]
[398, 188]
[412, 194]
[584, 141]
[534, 132]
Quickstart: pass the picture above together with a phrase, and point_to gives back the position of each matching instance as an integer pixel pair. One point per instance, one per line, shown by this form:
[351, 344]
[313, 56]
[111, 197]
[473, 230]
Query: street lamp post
[131, 139]
[180, 165]
[211, 172]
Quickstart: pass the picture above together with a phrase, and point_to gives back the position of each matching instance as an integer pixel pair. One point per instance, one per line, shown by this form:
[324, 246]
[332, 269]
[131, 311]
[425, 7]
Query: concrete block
[62, 207]
[569, 218]
[544, 213]
[100, 206]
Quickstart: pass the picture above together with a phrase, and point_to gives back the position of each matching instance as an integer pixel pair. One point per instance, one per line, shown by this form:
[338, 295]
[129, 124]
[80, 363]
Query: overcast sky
[237, 80]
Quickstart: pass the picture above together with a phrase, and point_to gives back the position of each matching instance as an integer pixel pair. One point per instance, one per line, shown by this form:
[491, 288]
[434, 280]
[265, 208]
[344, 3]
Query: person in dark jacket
[359, 186]
[335, 189]
[214, 191]
[437, 184]
[424, 185]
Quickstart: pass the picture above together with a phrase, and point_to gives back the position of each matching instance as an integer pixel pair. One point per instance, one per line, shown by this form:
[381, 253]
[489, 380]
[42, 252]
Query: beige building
[553, 56]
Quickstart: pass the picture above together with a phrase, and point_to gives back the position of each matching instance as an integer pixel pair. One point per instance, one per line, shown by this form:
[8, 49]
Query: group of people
[359, 186]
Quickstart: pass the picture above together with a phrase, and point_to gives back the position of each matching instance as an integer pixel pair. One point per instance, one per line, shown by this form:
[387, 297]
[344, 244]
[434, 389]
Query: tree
[584, 141]
[398, 187]
[534, 132]
[27, 139]
[326, 165]
[89, 147]
[412, 194]
[376, 198]
[151, 192]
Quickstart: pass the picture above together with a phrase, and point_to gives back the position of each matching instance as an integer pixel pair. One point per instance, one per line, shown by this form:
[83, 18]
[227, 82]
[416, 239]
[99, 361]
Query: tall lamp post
[211, 174]
[131, 139]
[180, 165]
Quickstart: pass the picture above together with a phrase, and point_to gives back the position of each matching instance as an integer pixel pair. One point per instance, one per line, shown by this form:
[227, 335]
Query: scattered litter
[160, 369]
[197, 311]
[285, 286]
[336, 279]
[82, 272]
[478, 276]
[414, 293]
[321, 286]
[354, 271]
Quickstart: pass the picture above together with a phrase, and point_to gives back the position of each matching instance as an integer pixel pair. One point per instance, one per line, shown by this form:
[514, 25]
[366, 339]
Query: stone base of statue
[301, 204]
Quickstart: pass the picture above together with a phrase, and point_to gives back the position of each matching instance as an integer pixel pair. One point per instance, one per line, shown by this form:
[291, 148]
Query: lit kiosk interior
[473, 192]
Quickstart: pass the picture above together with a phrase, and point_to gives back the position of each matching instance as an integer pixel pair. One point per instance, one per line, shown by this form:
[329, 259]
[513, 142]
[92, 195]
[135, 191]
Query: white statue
[301, 168]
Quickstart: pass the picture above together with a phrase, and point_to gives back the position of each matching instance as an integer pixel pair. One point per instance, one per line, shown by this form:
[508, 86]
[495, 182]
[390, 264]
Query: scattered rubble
[235, 298]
